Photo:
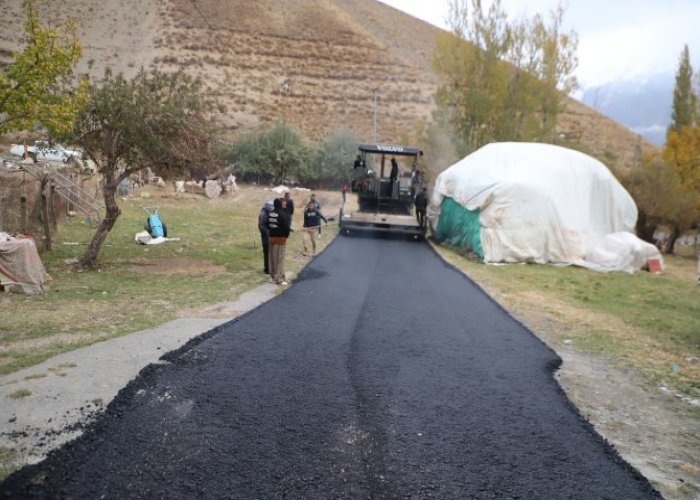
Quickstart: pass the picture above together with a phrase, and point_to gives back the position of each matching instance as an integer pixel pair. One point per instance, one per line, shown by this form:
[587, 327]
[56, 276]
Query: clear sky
[618, 39]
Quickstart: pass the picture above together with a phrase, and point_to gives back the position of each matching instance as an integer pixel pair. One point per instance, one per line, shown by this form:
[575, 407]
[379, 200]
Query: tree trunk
[111, 213]
[282, 173]
[644, 230]
[52, 207]
[675, 234]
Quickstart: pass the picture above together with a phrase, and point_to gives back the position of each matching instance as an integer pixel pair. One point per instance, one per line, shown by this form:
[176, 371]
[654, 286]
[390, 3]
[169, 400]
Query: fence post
[45, 213]
[23, 213]
[52, 208]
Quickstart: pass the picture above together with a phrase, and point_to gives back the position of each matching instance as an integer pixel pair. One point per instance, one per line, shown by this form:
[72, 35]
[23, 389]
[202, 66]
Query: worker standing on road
[344, 190]
[317, 204]
[278, 225]
[289, 203]
[264, 233]
[421, 205]
[312, 222]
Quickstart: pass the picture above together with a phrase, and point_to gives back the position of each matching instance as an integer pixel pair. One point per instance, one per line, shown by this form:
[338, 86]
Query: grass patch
[7, 462]
[19, 394]
[651, 322]
[36, 376]
[136, 287]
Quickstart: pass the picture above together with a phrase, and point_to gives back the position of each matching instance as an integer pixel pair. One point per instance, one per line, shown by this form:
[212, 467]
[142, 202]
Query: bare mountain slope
[313, 63]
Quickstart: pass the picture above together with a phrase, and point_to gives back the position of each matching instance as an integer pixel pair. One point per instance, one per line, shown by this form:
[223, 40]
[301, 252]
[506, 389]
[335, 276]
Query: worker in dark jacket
[312, 222]
[264, 234]
[290, 204]
[421, 206]
[393, 175]
[317, 204]
[359, 162]
[278, 226]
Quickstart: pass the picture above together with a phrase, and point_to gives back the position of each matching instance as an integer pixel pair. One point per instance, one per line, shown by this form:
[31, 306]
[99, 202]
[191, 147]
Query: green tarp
[459, 227]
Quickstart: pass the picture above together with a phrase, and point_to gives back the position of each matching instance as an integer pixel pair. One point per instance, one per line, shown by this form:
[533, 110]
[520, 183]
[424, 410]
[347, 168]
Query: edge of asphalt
[69, 390]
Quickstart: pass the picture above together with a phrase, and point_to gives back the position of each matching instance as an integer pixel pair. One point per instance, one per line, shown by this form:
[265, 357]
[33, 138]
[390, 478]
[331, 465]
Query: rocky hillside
[313, 63]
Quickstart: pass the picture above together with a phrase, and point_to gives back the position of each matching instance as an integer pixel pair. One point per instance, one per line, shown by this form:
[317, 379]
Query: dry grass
[333, 53]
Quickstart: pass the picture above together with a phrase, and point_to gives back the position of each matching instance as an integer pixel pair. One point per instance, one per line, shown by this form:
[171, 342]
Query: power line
[206, 21]
[212, 31]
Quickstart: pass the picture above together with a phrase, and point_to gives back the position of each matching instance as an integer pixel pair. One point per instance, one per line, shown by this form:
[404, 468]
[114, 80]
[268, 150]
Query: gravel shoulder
[655, 430]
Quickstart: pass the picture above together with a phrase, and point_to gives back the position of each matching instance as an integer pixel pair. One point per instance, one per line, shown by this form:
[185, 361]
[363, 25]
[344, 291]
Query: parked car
[42, 150]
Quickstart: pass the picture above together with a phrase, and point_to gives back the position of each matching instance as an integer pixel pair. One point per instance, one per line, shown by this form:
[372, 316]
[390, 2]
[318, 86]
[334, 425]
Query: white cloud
[647, 44]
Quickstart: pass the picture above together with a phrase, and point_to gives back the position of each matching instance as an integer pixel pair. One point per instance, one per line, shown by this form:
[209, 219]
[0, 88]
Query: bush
[271, 156]
[332, 161]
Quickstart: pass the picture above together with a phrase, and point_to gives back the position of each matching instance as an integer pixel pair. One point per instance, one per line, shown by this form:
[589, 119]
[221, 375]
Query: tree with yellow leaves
[502, 80]
[38, 87]
[661, 199]
[682, 149]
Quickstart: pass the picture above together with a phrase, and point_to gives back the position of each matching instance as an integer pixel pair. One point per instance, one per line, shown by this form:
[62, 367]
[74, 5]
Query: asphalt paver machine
[386, 179]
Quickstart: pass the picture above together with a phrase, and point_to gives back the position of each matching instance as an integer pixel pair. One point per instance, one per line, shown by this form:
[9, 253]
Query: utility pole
[374, 117]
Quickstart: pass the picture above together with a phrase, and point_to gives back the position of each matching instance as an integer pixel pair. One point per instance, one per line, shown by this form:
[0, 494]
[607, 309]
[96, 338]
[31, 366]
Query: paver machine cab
[385, 192]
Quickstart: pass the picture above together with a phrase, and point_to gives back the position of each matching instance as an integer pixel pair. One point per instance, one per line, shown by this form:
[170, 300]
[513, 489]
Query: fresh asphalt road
[382, 373]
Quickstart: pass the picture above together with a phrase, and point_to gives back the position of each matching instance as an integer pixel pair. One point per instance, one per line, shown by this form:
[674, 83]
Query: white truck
[43, 150]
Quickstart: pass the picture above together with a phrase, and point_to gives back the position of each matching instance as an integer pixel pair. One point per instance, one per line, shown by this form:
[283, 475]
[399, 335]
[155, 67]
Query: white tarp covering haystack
[531, 202]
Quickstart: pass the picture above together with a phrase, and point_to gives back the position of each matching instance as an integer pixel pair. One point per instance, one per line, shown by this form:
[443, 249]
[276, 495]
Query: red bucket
[654, 266]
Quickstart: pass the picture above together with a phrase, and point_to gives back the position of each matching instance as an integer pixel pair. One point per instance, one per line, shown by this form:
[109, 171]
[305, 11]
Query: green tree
[272, 155]
[252, 162]
[502, 80]
[333, 159]
[156, 120]
[684, 111]
[37, 87]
